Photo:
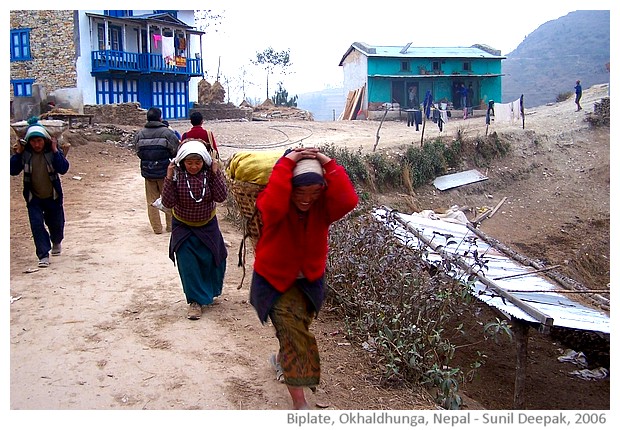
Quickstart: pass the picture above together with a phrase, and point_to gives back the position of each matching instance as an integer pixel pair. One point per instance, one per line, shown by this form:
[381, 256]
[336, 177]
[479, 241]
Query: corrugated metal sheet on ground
[564, 311]
[452, 180]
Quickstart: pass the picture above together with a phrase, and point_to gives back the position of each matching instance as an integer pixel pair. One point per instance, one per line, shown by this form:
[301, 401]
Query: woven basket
[245, 194]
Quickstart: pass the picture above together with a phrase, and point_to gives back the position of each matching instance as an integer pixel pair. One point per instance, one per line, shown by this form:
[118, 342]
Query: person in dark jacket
[156, 145]
[578, 95]
[42, 161]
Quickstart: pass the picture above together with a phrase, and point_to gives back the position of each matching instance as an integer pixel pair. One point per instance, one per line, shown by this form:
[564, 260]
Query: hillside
[555, 55]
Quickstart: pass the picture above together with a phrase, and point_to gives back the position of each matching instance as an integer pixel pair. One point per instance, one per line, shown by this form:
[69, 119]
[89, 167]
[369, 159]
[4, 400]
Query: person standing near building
[413, 97]
[463, 95]
[42, 161]
[306, 192]
[167, 124]
[156, 145]
[578, 95]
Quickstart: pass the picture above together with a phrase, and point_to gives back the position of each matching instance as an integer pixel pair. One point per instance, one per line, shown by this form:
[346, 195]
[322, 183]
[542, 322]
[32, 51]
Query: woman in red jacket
[307, 191]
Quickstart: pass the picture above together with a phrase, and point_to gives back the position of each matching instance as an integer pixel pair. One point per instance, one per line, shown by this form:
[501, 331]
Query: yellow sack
[254, 167]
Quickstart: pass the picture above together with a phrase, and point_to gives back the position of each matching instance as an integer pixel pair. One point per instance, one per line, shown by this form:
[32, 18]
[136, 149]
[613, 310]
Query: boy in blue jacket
[42, 161]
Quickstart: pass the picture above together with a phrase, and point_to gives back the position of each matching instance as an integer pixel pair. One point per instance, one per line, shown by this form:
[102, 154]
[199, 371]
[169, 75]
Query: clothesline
[506, 112]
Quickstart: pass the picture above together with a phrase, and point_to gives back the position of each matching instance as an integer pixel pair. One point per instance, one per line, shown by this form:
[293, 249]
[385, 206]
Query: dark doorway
[398, 93]
[413, 95]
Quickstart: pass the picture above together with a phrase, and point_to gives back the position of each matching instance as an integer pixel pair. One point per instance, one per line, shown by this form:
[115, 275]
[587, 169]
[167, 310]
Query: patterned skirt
[291, 316]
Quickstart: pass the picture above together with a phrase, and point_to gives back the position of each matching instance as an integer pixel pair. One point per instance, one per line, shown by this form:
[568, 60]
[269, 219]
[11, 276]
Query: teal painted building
[403, 74]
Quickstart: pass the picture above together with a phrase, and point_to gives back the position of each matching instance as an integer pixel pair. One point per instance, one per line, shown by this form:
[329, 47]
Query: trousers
[153, 188]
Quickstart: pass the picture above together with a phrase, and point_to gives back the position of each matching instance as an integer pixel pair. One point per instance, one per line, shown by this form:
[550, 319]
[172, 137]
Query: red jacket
[197, 132]
[288, 245]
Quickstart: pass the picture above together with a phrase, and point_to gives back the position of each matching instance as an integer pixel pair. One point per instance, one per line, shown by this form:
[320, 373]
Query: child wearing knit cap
[42, 161]
[307, 192]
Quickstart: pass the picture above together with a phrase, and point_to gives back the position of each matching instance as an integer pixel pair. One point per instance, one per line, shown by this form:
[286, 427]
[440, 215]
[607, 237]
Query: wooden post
[380, 124]
[423, 125]
[522, 111]
[520, 330]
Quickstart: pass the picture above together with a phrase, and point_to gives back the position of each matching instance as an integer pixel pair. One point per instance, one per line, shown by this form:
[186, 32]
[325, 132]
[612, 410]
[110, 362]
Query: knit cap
[37, 130]
[308, 171]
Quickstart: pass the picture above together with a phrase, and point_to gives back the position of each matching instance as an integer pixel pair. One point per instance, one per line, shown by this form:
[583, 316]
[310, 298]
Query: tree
[270, 59]
[281, 97]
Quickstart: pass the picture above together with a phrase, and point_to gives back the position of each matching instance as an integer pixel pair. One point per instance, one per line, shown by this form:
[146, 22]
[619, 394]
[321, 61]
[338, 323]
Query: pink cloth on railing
[156, 39]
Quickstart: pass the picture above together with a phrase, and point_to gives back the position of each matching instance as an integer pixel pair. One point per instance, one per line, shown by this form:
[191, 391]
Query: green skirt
[202, 280]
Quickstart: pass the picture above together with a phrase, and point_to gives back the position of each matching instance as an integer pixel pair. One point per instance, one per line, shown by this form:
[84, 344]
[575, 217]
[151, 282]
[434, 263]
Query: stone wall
[120, 114]
[216, 111]
[52, 47]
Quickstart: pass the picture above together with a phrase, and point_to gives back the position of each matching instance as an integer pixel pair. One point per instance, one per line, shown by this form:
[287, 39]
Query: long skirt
[291, 316]
[202, 280]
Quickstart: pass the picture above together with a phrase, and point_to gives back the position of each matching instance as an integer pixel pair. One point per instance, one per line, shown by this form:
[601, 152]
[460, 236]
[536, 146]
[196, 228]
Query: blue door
[171, 98]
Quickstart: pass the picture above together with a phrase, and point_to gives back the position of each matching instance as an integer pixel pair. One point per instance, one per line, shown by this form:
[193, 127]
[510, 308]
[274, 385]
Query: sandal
[276, 366]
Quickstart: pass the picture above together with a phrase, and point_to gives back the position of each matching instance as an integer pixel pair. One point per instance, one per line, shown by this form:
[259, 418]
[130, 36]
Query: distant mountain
[555, 55]
[325, 105]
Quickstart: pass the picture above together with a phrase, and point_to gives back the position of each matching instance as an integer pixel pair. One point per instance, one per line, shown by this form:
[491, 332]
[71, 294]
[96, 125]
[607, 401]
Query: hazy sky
[319, 32]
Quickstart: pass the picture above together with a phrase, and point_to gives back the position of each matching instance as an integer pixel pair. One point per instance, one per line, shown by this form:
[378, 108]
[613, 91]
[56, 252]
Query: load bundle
[248, 173]
[54, 127]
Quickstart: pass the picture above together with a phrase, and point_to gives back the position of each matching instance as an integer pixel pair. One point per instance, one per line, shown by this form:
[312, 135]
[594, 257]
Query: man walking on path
[156, 145]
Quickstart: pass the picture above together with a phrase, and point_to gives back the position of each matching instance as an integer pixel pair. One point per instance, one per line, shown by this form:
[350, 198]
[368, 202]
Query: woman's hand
[300, 153]
[323, 159]
[170, 170]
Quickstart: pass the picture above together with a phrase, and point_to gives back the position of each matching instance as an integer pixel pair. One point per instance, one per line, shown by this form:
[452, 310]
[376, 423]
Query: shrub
[391, 303]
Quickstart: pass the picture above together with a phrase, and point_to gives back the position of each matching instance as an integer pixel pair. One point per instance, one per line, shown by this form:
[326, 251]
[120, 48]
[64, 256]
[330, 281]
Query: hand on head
[297, 154]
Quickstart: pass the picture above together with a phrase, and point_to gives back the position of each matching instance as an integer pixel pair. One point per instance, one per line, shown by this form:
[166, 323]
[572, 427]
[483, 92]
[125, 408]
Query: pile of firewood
[600, 116]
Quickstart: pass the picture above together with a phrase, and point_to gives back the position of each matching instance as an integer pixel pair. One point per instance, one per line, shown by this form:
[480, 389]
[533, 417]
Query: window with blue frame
[116, 90]
[22, 87]
[118, 13]
[20, 44]
[115, 38]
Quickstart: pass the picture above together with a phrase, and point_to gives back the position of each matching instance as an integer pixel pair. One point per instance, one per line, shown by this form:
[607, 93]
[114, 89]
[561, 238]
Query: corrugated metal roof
[408, 51]
[430, 52]
[534, 289]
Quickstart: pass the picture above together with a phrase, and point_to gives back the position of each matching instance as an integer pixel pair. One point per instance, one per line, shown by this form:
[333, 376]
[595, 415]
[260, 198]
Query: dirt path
[111, 318]
[105, 327]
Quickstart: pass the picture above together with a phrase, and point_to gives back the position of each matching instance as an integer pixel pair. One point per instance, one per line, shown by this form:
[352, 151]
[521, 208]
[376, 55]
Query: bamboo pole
[520, 330]
[544, 269]
[564, 281]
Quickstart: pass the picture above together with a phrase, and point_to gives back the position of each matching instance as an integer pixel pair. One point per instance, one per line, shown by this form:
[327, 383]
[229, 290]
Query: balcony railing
[108, 61]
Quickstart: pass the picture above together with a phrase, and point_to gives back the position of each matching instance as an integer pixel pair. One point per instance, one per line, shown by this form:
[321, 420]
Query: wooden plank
[348, 105]
[354, 104]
